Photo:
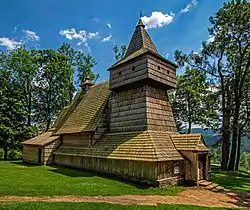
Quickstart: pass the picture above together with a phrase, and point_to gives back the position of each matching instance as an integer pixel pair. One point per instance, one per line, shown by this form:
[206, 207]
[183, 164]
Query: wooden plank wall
[130, 72]
[30, 153]
[134, 169]
[159, 112]
[48, 150]
[191, 167]
[161, 71]
[128, 110]
[77, 140]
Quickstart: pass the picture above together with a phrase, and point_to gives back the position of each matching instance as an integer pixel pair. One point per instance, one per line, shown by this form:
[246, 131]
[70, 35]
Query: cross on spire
[140, 14]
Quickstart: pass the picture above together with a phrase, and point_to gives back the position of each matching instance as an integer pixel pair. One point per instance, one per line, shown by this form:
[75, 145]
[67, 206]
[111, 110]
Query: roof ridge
[156, 153]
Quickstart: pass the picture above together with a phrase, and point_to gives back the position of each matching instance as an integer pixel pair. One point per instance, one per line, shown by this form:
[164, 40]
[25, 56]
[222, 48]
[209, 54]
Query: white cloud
[81, 36]
[9, 43]
[157, 20]
[96, 20]
[109, 25]
[31, 35]
[107, 39]
[189, 6]
[210, 39]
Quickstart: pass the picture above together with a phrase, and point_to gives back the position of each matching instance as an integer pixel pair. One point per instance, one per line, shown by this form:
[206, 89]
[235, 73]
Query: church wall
[135, 170]
[161, 71]
[30, 153]
[159, 111]
[48, 150]
[128, 110]
[132, 71]
[83, 139]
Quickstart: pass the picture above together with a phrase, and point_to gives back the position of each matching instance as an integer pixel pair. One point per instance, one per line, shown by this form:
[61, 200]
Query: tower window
[168, 71]
[159, 67]
[133, 68]
[120, 73]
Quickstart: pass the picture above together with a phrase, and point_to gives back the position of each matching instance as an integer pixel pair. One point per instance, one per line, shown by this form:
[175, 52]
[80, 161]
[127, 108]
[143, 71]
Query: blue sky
[95, 26]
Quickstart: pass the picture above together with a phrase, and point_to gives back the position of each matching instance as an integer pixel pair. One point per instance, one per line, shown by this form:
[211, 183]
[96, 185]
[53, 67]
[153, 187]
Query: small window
[133, 68]
[168, 71]
[120, 73]
[176, 168]
[159, 68]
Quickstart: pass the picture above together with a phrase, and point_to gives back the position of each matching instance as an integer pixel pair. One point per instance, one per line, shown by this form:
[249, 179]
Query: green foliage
[95, 206]
[192, 101]
[15, 154]
[1, 153]
[245, 161]
[52, 181]
[119, 53]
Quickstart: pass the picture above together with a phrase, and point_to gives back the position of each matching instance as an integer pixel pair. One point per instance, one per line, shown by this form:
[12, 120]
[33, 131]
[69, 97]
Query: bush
[245, 161]
[14, 154]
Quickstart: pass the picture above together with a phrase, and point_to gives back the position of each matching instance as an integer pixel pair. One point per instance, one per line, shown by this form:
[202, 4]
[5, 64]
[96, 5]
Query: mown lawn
[22, 179]
[95, 206]
[233, 180]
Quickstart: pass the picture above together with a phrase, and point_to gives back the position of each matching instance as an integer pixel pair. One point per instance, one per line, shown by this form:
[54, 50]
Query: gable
[85, 111]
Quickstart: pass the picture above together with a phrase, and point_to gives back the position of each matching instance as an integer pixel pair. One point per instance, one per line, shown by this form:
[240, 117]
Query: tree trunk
[5, 149]
[189, 127]
[48, 124]
[225, 131]
[29, 109]
[238, 151]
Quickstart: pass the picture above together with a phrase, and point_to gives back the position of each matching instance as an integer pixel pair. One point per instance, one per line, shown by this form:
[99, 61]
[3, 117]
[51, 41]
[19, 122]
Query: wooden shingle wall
[132, 71]
[161, 71]
[128, 110]
[30, 153]
[159, 111]
[83, 139]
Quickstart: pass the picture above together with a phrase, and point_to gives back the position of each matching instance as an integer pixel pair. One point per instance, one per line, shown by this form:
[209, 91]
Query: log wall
[30, 154]
[143, 171]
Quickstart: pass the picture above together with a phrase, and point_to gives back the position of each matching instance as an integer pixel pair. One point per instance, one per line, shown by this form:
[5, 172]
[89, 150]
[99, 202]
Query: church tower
[139, 82]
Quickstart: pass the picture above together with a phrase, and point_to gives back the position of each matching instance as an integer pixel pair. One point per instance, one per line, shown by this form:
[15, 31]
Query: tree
[52, 84]
[85, 63]
[70, 54]
[193, 101]
[22, 63]
[226, 59]
[119, 53]
[12, 114]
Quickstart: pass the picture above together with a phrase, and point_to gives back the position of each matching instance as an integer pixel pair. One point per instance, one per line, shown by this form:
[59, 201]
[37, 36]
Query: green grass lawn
[95, 206]
[234, 180]
[22, 179]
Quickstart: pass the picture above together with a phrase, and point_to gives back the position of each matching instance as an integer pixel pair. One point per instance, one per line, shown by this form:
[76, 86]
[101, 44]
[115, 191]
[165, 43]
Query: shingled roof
[41, 140]
[140, 146]
[193, 142]
[140, 44]
[84, 113]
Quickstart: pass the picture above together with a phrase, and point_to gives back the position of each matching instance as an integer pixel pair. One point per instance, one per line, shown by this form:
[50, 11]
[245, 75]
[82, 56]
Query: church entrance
[201, 166]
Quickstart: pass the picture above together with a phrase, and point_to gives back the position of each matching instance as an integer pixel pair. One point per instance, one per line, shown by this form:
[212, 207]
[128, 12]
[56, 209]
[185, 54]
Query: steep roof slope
[85, 111]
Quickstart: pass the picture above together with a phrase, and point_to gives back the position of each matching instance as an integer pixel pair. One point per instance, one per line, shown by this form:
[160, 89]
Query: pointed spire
[140, 40]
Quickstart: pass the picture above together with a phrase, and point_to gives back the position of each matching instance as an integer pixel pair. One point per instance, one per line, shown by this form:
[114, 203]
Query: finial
[141, 14]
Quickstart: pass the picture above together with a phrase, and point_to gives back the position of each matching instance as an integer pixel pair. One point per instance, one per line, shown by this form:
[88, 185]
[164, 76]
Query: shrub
[14, 154]
[1, 153]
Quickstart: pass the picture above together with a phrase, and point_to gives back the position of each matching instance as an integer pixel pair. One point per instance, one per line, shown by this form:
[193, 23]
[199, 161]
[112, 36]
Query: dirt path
[191, 196]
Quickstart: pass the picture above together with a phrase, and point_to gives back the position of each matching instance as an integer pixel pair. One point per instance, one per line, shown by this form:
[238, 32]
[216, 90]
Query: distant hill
[212, 137]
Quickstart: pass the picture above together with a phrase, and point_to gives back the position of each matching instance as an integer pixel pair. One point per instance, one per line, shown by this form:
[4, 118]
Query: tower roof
[140, 40]
[140, 43]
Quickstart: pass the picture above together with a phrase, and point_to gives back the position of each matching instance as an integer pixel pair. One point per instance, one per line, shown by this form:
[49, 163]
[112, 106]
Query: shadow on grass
[87, 173]
[237, 182]
[21, 163]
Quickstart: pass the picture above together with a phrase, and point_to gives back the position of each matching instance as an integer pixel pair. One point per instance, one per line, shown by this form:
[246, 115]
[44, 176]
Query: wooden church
[125, 126]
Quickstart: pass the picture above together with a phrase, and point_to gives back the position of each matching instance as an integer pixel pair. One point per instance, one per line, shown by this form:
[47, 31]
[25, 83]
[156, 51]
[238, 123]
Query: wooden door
[201, 166]
[201, 170]
[39, 156]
